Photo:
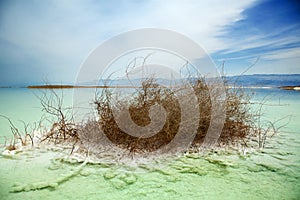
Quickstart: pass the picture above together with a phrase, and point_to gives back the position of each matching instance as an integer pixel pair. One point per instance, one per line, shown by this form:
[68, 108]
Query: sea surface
[270, 173]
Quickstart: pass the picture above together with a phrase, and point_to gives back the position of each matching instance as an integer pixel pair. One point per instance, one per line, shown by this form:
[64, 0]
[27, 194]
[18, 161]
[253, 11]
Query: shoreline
[56, 87]
[297, 88]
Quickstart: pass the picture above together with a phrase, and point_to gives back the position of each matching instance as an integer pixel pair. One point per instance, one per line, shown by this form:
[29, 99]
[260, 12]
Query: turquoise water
[22, 104]
[272, 173]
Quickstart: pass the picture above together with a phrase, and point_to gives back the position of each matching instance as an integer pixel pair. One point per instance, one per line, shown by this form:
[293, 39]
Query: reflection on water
[272, 173]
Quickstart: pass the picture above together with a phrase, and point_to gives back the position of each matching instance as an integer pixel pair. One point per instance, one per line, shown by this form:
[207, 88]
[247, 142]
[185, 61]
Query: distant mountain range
[265, 80]
[255, 80]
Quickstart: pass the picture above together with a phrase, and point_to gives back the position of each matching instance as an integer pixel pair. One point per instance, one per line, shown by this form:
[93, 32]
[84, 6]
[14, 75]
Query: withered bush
[63, 128]
[237, 126]
[240, 125]
[148, 95]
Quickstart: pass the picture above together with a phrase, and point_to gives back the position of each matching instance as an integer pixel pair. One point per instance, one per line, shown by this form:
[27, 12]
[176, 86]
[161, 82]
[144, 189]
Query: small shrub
[237, 126]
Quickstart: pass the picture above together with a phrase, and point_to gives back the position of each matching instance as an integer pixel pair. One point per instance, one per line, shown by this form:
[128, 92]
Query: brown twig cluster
[241, 123]
[237, 126]
[17, 136]
[148, 95]
[63, 128]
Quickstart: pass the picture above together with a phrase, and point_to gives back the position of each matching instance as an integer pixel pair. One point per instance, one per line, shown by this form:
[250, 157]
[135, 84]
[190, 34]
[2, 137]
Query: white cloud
[63, 33]
[283, 54]
[259, 41]
[64, 25]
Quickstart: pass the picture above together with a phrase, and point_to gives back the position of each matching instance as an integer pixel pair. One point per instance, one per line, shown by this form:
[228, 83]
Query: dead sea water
[272, 173]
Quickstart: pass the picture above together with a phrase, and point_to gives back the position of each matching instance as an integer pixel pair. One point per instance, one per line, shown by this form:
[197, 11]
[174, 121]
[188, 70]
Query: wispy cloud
[269, 42]
[61, 27]
[269, 30]
[56, 36]
[283, 54]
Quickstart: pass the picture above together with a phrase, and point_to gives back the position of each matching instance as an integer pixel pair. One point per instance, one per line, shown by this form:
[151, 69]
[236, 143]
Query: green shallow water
[273, 173]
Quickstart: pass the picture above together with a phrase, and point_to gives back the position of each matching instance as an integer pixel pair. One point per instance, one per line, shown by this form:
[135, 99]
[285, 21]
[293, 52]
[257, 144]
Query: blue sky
[50, 39]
